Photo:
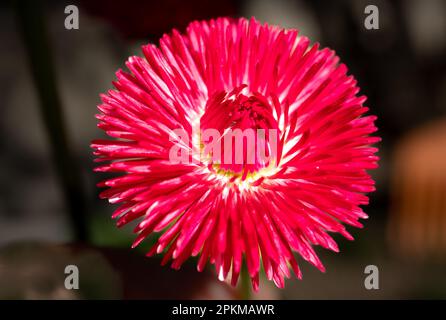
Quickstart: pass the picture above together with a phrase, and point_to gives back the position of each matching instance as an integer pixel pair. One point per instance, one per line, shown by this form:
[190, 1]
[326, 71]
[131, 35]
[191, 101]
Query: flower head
[267, 202]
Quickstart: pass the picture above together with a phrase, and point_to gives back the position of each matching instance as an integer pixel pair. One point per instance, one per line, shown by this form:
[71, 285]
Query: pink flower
[238, 74]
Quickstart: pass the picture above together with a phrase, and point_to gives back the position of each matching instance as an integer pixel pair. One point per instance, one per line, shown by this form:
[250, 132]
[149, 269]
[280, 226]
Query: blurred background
[50, 214]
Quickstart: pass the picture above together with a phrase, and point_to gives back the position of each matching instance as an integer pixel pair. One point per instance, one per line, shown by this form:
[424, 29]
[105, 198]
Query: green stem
[32, 26]
[245, 283]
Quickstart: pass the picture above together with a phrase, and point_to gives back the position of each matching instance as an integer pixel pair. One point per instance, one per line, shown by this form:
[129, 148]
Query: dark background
[48, 195]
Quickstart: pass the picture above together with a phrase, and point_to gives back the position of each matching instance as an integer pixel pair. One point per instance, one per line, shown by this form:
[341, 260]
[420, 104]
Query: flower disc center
[239, 134]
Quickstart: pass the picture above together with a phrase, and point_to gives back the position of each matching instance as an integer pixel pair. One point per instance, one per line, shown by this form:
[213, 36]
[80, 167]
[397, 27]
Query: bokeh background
[50, 214]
